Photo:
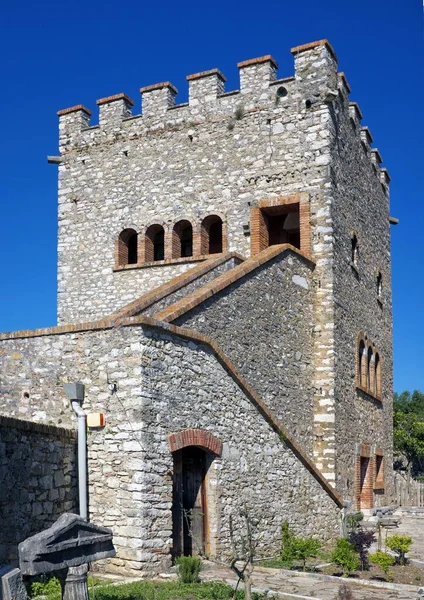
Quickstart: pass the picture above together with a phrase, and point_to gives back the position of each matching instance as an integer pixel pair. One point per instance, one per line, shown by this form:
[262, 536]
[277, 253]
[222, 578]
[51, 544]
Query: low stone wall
[37, 480]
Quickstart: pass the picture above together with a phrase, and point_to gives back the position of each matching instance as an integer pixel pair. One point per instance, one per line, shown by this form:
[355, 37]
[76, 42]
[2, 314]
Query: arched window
[362, 365]
[354, 251]
[379, 285]
[127, 247]
[377, 377]
[370, 370]
[154, 243]
[182, 239]
[211, 235]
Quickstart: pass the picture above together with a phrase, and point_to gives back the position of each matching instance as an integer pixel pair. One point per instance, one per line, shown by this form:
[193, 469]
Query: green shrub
[384, 561]
[344, 556]
[353, 520]
[304, 548]
[297, 548]
[47, 586]
[401, 544]
[189, 568]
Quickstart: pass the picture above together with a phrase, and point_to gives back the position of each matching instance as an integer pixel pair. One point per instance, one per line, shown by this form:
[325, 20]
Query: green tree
[408, 430]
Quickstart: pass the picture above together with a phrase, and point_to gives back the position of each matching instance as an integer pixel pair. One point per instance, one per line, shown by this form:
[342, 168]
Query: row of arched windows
[180, 242]
[368, 372]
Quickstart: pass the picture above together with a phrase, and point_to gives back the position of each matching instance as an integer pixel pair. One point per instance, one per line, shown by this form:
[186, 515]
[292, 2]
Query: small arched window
[377, 377]
[127, 247]
[354, 251]
[362, 365]
[379, 285]
[370, 371]
[182, 239]
[211, 235]
[154, 243]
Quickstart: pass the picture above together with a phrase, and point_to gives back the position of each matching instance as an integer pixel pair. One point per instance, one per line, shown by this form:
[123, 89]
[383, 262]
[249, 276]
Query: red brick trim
[174, 284]
[77, 108]
[113, 98]
[201, 74]
[195, 437]
[258, 229]
[174, 311]
[159, 86]
[257, 61]
[190, 335]
[312, 45]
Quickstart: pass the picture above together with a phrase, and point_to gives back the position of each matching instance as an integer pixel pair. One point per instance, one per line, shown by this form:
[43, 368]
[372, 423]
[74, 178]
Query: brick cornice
[173, 285]
[258, 61]
[189, 302]
[113, 98]
[209, 73]
[158, 86]
[311, 45]
[71, 109]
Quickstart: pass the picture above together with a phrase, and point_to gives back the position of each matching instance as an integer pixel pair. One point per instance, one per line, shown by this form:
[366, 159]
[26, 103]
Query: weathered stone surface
[11, 584]
[33, 488]
[70, 542]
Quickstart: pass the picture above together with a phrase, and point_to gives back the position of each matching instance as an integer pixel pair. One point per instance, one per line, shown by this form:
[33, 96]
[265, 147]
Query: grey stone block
[11, 584]
[69, 542]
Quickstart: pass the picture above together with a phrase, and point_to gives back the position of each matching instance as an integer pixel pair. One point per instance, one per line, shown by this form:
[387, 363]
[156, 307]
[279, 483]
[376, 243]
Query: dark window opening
[159, 246]
[182, 239]
[154, 243]
[127, 247]
[282, 224]
[211, 235]
[354, 251]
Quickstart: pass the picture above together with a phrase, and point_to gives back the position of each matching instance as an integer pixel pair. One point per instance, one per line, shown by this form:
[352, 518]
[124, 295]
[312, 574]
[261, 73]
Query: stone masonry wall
[361, 208]
[219, 154]
[37, 480]
[264, 323]
[163, 384]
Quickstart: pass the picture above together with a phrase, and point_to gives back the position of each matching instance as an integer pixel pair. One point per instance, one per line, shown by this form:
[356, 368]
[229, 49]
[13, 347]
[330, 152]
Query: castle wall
[219, 154]
[264, 322]
[164, 384]
[37, 481]
[360, 207]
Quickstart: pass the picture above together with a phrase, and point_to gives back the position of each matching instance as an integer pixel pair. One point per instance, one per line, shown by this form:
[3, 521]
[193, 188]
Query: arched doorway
[189, 507]
[194, 452]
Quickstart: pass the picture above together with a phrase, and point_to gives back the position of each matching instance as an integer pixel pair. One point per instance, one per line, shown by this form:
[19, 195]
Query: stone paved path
[306, 586]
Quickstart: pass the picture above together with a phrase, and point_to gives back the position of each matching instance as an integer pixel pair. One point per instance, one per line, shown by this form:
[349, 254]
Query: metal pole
[82, 459]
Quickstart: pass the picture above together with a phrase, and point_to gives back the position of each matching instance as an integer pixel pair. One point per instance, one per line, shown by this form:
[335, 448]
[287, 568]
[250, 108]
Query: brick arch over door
[195, 437]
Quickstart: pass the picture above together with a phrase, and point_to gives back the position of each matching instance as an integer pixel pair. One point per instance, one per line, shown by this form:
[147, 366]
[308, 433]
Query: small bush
[353, 520]
[361, 541]
[384, 561]
[297, 548]
[47, 586]
[344, 593]
[401, 544]
[344, 556]
[189, 568]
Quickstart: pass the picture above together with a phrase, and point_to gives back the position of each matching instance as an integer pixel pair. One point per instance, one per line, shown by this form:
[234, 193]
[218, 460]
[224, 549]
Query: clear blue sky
[57, 54]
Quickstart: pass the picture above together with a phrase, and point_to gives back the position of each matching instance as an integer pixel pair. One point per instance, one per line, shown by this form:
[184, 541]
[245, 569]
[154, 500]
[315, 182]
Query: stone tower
[142, 198]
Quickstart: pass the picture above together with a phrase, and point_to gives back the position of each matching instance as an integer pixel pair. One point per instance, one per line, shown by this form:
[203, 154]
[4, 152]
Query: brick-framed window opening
[368, 367]
[154, 242]
[379, 470]
[281, 220]
[127, 248]
[182, 239]
[364, 478]
[211, 235]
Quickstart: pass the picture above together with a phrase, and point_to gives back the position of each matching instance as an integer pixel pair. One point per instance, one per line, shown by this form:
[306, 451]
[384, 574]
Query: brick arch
[195, 437]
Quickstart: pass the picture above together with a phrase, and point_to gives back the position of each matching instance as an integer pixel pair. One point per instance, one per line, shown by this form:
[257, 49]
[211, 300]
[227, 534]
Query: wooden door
[189, 506]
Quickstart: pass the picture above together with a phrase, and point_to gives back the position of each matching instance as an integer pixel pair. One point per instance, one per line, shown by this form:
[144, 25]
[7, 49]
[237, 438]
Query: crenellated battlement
[315, 71]
[316, 82]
